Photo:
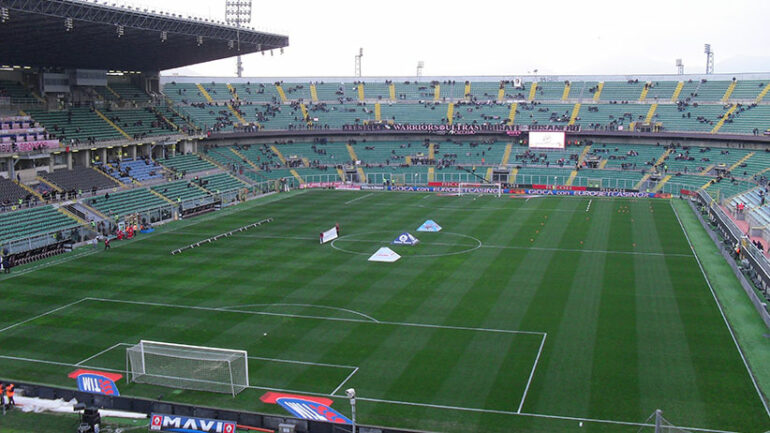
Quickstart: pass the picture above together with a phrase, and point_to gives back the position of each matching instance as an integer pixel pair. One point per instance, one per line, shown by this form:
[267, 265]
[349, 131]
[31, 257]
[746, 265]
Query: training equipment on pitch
[405, 238]
[329, 235]
[468, 188]
[429, 226]
[188, 367]
[384, 254]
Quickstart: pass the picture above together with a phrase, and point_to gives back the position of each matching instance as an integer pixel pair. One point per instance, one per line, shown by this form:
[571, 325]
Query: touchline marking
[42, 315]
[532, 373]
[588, 208]
[359, 198]
[719, 306]
[305, 305]
[344, 381]
[533, 415]
[100, 353]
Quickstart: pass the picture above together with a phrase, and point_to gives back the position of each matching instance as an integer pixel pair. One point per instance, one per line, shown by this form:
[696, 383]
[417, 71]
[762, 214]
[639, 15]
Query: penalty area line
[43, 314]
[344, 381]
[359, 198]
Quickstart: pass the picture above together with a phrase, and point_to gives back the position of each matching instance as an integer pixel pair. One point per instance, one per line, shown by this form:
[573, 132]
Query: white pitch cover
[384, 254]
[329, 235]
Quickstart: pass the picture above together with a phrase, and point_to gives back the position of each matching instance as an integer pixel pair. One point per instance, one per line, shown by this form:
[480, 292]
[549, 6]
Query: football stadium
[377, 254]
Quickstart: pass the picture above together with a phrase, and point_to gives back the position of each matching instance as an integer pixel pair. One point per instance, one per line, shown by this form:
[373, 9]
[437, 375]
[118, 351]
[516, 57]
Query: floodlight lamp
[350, 392]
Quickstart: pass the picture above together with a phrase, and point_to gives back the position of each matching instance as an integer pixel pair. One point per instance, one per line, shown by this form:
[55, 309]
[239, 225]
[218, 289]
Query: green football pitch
[541, 314]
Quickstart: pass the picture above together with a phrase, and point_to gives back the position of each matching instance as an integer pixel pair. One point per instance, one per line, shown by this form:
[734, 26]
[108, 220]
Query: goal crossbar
[187, 366]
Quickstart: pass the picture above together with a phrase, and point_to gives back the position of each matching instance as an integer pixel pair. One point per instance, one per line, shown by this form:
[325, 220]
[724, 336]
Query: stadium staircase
[50, 184]
[650, 114]
[213, 161]
[431, 174]
[392, 91]
[278, 154]
[762, 94]
[29, 190]
[378, 112]
[161, 196]
[450, 112]
[244, 158]
[237, 114]
[233, 91]
[431, 152]
[512, 113]
[729, 91]
[573, 174]
[467, 93]
[305, 114]
[361, 174]
[437, 92]
[507, 154]
[677, 91]
[408, 160]
[64, 211]
[501, 94]
[341, 173]
[662, 182]
[204, 93]
[642, 181]
[706, 170]
[512, 175]
[361, 93]
[111, 123]
[741, 161]
[663, 157]
[598, 92]
[488, 176]
[351, 152]
[532, 92]
[575, 113]
[565, 92]
[645, 90]
[281, 93]
[297, 176]
[724, 118]
[313, 93]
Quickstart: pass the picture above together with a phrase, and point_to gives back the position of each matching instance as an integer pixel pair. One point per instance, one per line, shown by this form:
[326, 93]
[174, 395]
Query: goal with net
[469, 188]
[188, 367]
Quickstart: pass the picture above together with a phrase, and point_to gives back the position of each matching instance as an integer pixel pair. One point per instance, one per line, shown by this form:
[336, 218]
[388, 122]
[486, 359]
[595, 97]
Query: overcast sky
[486, 37]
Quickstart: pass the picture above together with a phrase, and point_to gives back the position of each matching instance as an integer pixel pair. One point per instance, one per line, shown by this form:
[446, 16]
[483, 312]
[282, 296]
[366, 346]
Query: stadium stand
[79, 178]
[30, 222]
[180, 190]
[123, 203]
[11, 193]
[221, 182]
[189, 163]
[76, 125]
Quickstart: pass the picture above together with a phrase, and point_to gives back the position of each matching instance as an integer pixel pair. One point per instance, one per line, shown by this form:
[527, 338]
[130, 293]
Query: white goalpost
[188, 367]
[478, 189]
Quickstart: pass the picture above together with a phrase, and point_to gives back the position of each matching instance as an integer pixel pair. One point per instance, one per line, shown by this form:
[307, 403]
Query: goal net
[468, 188]
[188, 367]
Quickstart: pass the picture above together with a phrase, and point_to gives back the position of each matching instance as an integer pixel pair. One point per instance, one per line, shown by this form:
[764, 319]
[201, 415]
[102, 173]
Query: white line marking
[719, 306]
[359, 198]
[336, 319]
[305, 305]
[478, 410]
[344, 381]
[588, 208]
[100, 353]
[61, 260]
[483, 245]
[533, 415]
[532, 373]
[42, 315]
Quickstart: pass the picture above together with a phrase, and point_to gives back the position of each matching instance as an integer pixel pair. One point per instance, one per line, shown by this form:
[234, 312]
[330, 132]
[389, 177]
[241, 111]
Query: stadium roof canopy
[86, 35]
